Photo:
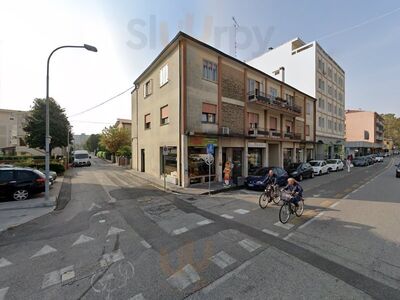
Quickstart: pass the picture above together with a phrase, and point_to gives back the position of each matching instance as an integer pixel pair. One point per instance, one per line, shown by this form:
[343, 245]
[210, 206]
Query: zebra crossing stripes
[222, 259]
[184, 277]
[249, 245]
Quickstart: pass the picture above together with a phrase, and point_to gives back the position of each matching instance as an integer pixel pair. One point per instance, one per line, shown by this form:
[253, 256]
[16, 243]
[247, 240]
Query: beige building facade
[193, 95]
[12, 133]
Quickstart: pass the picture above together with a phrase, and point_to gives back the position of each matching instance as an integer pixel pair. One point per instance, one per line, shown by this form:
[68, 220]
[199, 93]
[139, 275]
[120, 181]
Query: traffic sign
[210, 148]
[165, 150]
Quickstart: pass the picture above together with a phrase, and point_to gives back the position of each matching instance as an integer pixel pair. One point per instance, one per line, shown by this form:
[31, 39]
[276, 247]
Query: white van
[81, 158]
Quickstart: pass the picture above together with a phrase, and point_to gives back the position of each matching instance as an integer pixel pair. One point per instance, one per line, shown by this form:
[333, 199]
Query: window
[321, 103]
[340, 112]
[330, 90]
[335, 110]
[273, 92]
[335, 78]
[329, 107]
[335, 94]
[250, 85]
[307, 130]
[366, 135]
[330, 72]
[340, 97]
[330, 123]
[273, 123]
[321, 65]
[289, 99]
[148, 88]
[25, 175]
[335, 126]
[289, 125]
[308, 108]
[209, 113]
[321, 122]
[253, 120]
[168, 163]
[164, 119]
[340, 127]
[147, 121]
[321, 84]
[6, 175]
[163, 75]
[210, 70]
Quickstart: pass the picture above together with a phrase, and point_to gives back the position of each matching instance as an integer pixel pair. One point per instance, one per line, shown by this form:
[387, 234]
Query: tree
[35, 125]
[92, 143]
[392, 128]
[113, 139]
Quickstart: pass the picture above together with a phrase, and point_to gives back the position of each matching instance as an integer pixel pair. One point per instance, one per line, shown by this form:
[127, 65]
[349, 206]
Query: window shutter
[147, 118]
[273, 123]
[209, 108]
[164, 112]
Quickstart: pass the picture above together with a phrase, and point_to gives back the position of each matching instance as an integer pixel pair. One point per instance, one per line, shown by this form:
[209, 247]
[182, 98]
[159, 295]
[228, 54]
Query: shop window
[254, 160]
[197, 167]
[273, 123]
[164, 115]
[147, 121]
[253, 120]
[170, 166]
[209, 113]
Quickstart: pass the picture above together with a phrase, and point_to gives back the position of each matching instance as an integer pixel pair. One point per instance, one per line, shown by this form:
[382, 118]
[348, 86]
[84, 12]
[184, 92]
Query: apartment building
[308, 67]
[193, 95]
[12, 133]
[364, 132]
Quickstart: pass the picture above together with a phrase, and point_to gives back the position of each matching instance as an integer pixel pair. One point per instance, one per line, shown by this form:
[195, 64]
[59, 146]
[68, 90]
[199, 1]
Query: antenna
[236, 26]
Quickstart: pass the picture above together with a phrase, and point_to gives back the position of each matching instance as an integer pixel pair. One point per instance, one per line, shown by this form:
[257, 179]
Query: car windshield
[261, 172]
[294, 166]
[331, 161]
[81, 156]
[314, 163]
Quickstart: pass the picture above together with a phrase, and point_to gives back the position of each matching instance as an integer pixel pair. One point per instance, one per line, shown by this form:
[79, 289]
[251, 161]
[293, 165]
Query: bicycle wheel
[299, 211]
[263, 200]
[284, 213]
[277, 198]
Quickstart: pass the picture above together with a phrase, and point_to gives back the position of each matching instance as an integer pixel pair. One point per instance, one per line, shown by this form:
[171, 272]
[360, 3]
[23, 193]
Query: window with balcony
[289, 99]
[148, 88]
[289, 126]
[273, 92]
[209, 113]
[273, 123]
[210, 70]
[255, 87]
[253, 120]
[147, 121]
[163, 75]
[164, 119]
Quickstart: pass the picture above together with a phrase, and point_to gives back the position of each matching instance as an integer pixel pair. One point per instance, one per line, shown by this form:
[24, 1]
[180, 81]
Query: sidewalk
[14, 213]
[194, 189]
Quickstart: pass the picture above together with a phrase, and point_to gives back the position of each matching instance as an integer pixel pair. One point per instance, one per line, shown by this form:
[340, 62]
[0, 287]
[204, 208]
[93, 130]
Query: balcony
[273, 102]
[273, 134]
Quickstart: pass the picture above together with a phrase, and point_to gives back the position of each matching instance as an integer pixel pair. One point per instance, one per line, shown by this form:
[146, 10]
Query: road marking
[4, 262]
[270, 232]
[67, 276]
[339, 195]
[103, 212]
[325, 203]
[114, 230]
[334, 204]
[145, 244]
[55, 277]
[109, 258]
[94, 205]
[226, 277]
[179, 231]
[316, 195]
[288, 236]
[205, 222]
[222, 259]
[83, 239]
[227, 216]
[348, 190]
[3, 293]
[241, 211]
[352, 226]
[45, 250]
[286, 226]
[184, 277]
[249, 245]
[102, 221]
[311, 220]
[137, 297]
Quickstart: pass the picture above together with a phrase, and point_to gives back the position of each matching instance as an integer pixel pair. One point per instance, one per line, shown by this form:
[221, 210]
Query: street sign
[210, 148]
[209, 159]
[165, 150]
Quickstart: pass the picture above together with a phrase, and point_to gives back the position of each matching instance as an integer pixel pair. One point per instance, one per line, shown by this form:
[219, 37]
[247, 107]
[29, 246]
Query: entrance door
[142, 159]
[237, 164]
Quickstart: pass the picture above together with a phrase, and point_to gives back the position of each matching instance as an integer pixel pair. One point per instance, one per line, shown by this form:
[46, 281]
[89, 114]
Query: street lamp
[47, 139]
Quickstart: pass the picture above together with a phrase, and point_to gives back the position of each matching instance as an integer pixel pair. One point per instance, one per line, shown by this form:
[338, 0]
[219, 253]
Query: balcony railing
[273, 134]
[274, 102]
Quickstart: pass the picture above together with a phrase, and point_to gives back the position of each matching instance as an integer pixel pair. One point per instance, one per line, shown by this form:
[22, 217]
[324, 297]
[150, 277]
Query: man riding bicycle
[295, 189]
[271, 179]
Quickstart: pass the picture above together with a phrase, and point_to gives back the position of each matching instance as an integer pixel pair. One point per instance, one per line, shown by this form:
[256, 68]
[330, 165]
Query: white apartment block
[310, 69]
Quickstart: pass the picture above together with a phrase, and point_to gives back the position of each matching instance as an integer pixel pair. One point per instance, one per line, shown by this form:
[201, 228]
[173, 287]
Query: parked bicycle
[288, 208]
[270, 194]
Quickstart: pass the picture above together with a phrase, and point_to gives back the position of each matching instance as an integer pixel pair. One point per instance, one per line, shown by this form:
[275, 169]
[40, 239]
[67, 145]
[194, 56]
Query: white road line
[103, 212]
[352, 226]
[227, 216]
[109, 258]
[334, 204]
[286, 226]
[249, 245]
[67, 276]
[82, 239]
[3, 293]
[137, 297]
[102, 221]
[270, 232]
[241, 211]
[45, 250]
[226, 277]
[55, 277]
[114, 230]
[4, 262]
[179, 231]
[222, 259]
[205, 222]
[184, 277]
[311, 220]
[145, 244]
[94, 205]
[288, 236]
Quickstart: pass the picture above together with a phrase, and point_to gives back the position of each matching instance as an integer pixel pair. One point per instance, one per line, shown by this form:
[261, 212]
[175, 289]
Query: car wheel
[312, 175]
[320, 173]
[20, 195]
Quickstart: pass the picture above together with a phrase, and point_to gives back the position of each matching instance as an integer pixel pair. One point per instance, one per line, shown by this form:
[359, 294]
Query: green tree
[35, 125]
[92, 143]
[392, 128]
[113, 139]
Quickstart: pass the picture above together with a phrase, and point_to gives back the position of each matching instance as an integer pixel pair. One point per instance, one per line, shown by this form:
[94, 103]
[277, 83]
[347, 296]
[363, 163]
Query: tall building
[309, 68]
[364, 132]
[80, 140]
[193, 95]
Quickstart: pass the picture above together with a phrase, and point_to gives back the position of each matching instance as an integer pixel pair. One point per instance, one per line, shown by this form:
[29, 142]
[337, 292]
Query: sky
[363, 36]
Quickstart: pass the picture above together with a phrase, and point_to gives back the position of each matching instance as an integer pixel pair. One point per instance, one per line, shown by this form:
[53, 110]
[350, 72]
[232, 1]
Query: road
[117, 237]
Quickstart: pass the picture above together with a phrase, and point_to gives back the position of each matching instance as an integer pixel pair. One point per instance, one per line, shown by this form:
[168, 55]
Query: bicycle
[271, 193]
[288, 208]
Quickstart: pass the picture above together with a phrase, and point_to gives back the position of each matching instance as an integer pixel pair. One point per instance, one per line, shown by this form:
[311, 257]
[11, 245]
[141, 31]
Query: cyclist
[271, 179]
[295, 189]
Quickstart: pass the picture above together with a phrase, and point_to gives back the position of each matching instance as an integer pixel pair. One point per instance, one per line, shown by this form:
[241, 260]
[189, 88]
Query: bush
[56, 167]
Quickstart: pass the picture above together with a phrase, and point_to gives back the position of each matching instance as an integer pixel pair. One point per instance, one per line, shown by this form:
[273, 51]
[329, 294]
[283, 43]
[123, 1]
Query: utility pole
[236, 26]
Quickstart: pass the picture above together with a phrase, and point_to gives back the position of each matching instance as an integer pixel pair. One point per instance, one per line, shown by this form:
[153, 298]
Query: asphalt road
[119, 238]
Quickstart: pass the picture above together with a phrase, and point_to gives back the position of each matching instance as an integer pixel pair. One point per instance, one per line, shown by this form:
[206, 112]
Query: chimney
[270, 48]
[283, 73]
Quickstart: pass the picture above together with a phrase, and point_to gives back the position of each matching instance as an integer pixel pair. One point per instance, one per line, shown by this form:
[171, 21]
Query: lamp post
[47, 138]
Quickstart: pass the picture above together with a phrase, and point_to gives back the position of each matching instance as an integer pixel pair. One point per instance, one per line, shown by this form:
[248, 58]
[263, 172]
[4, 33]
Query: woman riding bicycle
[295, 189]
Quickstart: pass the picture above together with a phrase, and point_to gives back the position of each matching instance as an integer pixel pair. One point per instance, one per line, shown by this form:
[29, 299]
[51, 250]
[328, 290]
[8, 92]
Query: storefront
[197, 151]
[255, 156]
[287, 157]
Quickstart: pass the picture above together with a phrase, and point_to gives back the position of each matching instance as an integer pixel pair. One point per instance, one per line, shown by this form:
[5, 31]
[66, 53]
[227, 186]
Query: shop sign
[199, 141]
[256, 145]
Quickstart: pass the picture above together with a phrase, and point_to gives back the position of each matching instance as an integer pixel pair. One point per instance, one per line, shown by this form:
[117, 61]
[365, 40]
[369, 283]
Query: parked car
[20, 183]
[398, 171]
[53, 175]
[360, 162]
[81, 158]
[257, 181]
[299, 171]
[335, 165]
[319, 166]
[370, 160]
[379, 158]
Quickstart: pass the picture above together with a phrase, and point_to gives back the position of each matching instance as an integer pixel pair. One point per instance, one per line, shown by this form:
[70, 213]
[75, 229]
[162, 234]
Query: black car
[398, 170]
[20, 183]
[258, 180]
[299, 171]
[360, 162]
